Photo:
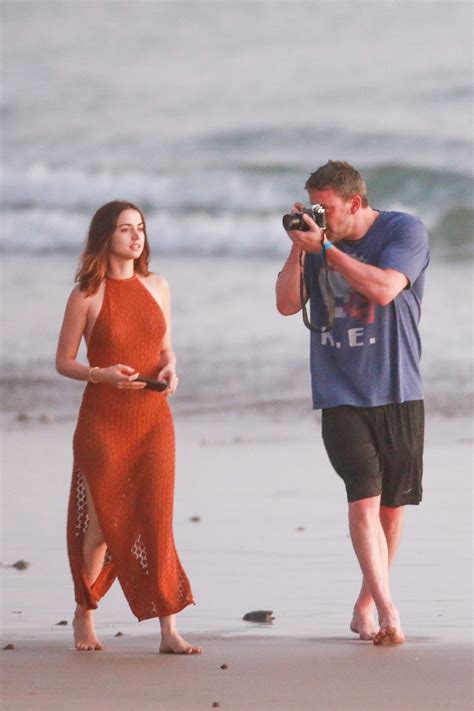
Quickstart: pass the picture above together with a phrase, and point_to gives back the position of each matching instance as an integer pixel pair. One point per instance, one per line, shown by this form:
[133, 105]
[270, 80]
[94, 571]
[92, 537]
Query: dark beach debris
[224, 666]
[300, 528]
[9, 646]
[119, 634]
[259, 616]
[215, 704]
[21, 565]
[23, 417]
[45, 419]
[17, 612]
[61, 623]
[195, 519]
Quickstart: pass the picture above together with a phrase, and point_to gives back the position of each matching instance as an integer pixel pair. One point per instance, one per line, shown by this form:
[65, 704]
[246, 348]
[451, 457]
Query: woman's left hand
[168, 373]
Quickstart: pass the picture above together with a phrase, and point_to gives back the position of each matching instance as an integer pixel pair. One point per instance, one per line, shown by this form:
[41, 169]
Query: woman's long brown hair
[93, 265]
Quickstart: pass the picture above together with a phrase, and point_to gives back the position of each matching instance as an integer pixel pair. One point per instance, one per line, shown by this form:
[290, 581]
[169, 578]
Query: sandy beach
[271, 535]
[324, 673]
[271, 530]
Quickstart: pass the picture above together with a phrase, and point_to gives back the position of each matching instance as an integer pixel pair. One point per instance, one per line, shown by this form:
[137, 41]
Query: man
[364, 369]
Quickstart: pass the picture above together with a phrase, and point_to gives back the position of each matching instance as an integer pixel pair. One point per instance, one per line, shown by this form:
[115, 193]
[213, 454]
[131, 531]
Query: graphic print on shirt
[349, 303]
[370, 357]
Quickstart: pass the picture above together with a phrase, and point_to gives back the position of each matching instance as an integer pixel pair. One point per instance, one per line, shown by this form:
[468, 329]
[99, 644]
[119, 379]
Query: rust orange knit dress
[124, 449]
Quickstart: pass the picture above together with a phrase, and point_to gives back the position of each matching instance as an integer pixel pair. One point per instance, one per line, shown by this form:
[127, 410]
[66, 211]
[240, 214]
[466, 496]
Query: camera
[295, 220]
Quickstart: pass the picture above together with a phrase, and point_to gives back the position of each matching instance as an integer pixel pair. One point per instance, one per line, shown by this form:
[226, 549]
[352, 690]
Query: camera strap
[330, 299]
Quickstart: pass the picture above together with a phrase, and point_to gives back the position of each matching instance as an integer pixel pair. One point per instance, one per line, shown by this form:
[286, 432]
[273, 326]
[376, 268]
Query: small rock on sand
[224, 666]
[61, 623]
[195, 519]
[22, 417]
[9, 646]
[119, 634]
[215, 705]
[21, 565]
[259, 616]
[45, 419]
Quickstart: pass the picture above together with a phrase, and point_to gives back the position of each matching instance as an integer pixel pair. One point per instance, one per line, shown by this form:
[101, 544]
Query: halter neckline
[110, 278]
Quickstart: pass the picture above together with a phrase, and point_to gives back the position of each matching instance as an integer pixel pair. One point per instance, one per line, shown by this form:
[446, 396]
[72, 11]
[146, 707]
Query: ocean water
[234, 351]
[210, 116]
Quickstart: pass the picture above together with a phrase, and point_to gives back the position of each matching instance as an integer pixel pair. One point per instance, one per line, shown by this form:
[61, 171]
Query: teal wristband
[327, 245]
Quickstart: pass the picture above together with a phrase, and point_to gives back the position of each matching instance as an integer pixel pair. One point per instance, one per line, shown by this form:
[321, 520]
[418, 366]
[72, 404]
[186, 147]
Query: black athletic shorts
[377, 450]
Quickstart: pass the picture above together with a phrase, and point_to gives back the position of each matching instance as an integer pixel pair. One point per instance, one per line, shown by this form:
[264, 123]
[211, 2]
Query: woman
[121, 502]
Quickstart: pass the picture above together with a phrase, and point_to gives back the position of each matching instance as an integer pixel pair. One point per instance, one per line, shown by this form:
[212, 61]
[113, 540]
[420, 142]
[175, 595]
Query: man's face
[339, 212]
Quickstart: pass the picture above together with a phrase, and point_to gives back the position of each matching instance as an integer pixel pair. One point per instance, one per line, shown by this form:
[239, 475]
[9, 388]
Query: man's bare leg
[363, 622]
[370, 546]
[171, 641]
[85, 637]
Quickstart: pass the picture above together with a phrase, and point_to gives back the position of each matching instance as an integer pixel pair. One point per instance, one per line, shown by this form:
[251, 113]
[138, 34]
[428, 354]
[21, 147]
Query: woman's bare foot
[390, 632]
[173, 643]
[85, 638]
[363, 624]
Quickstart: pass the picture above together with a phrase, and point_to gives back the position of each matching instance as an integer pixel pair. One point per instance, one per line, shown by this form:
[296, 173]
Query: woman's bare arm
[160, 290]
[72, 331]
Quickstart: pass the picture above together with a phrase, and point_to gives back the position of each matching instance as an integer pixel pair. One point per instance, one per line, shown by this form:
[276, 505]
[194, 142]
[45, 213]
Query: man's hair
[341, 177]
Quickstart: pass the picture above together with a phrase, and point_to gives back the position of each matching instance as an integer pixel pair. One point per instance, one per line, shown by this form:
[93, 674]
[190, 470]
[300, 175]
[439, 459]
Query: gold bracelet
[91, 379]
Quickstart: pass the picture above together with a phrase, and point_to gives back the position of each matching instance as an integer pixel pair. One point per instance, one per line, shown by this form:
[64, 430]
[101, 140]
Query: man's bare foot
[174, 644]
[85, 638]
[389, 634]
[363, 624]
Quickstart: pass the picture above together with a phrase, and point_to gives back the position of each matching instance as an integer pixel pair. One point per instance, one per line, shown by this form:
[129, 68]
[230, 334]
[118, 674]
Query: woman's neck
[120, 268]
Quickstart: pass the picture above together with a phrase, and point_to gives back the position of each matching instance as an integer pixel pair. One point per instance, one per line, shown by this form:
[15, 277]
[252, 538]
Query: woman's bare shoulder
[77, 297]
[156, 281]
[80, 299]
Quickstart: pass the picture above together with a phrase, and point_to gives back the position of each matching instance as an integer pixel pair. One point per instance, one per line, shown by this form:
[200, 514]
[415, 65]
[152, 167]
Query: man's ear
[356, 203]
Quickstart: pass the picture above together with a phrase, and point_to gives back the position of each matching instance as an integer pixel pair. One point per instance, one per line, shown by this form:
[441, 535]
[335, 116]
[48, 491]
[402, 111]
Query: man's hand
[311, 241]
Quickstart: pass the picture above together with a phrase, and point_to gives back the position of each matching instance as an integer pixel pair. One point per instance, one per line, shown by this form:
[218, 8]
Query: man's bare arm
[288, 300]
[377, 284]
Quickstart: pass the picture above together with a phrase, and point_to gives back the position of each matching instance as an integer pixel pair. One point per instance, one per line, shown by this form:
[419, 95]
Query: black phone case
[158, 385]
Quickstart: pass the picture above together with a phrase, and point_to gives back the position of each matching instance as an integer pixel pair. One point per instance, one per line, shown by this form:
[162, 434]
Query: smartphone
[159, 385]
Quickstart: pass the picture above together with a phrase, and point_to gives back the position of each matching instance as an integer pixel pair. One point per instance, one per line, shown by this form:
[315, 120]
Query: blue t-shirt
[371, 355]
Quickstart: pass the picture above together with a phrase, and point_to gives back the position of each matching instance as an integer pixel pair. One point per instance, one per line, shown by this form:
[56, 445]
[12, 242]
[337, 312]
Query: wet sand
[316, 673]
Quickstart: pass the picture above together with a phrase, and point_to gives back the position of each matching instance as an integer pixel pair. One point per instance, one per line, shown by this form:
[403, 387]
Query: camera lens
[293, 222]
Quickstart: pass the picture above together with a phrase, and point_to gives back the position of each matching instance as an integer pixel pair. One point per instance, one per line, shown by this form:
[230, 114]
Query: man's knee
[391, 516]
[365, 509]
[391, 511]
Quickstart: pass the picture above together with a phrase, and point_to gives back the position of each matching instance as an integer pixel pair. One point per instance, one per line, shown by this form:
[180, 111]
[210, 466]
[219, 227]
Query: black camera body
[295, 220]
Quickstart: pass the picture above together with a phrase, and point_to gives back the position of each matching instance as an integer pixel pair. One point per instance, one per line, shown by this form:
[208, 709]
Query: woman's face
[128, 238]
